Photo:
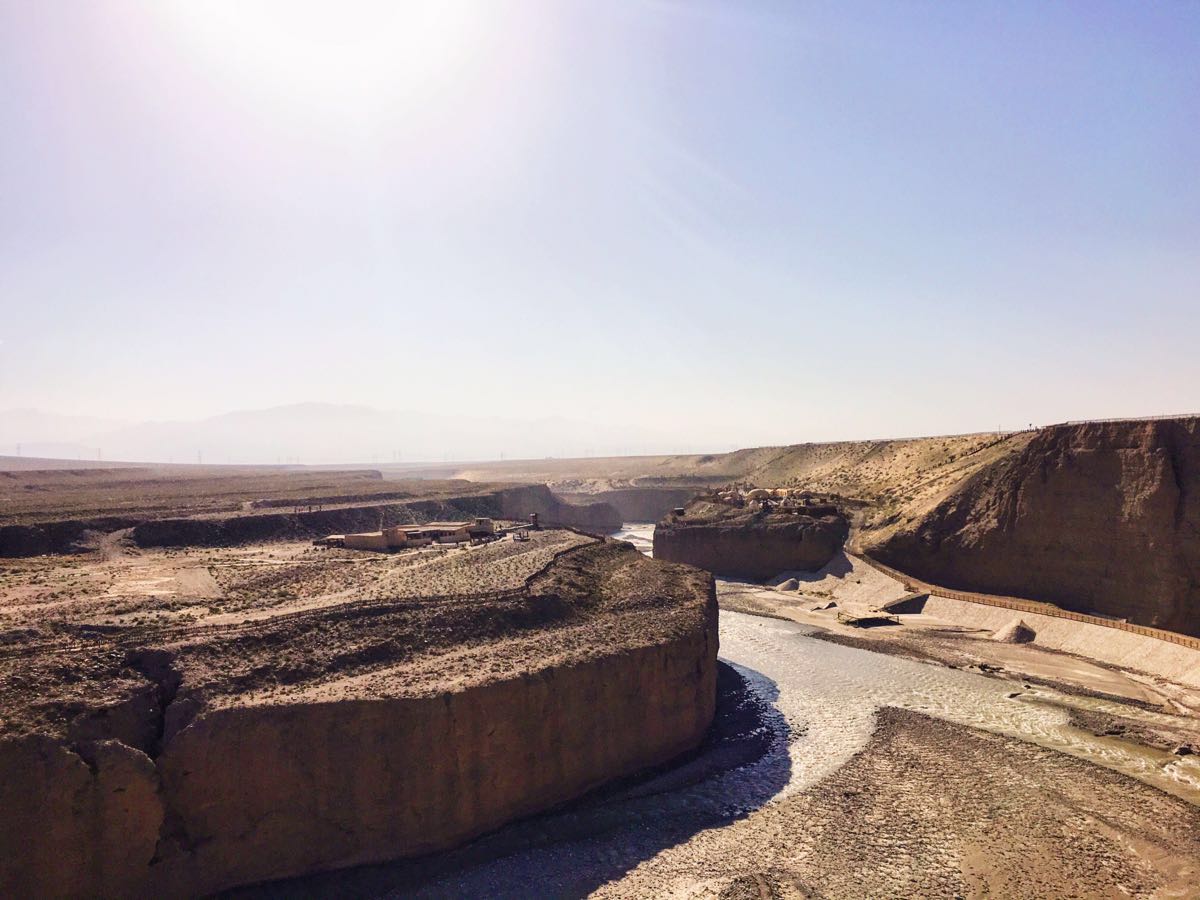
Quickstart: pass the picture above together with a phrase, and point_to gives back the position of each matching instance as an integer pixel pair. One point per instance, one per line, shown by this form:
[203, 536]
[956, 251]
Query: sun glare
[364, 52]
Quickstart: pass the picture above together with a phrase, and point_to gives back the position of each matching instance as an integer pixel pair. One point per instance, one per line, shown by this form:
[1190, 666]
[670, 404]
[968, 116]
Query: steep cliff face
[201, 760]
[749, 545]
[520, 502]
[1099, 516]
[639, 504]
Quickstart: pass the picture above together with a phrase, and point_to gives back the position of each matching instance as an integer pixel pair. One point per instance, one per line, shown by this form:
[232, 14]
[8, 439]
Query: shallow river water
[832, 692]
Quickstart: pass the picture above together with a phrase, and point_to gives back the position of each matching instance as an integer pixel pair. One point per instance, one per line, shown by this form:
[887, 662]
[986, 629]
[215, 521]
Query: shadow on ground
[569, 852]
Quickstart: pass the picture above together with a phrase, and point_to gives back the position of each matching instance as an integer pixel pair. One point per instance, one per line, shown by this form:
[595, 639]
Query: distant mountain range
[317, 433]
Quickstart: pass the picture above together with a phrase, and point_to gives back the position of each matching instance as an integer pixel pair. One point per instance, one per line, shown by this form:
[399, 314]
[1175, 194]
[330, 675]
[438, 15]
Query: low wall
[1107, 645]
[1162, 653]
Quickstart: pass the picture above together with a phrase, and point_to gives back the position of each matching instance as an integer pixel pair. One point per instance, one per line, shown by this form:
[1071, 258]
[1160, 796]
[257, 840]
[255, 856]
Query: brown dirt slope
[886, 472]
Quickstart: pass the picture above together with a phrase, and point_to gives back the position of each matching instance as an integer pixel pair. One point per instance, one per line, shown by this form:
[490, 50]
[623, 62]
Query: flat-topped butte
[752, 538]
[186, 758]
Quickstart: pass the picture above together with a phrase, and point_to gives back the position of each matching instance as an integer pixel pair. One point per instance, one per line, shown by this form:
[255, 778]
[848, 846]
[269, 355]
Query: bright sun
[356, 52]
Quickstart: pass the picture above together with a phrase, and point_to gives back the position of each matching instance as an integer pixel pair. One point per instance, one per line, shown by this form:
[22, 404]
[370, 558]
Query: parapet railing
[1165, 418]
[1030, 606]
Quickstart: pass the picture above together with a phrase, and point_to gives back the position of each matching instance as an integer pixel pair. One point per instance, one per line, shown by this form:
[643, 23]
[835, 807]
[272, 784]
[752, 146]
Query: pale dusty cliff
[1098, 516]
[750, 544]
[188, 760]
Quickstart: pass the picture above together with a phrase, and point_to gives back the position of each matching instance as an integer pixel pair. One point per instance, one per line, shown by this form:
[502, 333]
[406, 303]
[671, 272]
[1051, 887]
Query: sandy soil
[219, 586]
[933, 809]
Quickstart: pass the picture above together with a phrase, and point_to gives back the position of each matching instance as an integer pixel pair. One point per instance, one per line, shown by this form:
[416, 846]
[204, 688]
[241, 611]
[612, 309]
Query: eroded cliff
[1098, 517]
[184, 760]
[751, 543]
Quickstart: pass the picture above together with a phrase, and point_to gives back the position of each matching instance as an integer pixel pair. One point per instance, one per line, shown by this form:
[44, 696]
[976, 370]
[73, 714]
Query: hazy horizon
[338, 434]
[720, 225]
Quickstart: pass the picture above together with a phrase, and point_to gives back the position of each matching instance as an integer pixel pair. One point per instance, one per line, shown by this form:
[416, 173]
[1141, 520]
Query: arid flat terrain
[123, 585]
[36, 495]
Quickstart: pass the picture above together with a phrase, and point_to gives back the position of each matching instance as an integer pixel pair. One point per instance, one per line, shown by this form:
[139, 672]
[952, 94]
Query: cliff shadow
[742, 763]
[837, 567]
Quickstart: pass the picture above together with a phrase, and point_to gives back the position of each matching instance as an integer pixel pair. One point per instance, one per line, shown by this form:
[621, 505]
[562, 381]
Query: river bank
[881, 776]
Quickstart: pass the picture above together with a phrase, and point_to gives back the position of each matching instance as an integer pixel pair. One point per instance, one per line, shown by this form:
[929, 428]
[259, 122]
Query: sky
[744, 223]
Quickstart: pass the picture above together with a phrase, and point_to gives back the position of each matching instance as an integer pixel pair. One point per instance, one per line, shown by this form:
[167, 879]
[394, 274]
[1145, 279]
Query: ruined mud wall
[1095, 517]
[757, 551]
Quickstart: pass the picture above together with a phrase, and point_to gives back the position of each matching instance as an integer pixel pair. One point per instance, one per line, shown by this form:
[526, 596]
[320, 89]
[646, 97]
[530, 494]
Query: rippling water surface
[833, 692]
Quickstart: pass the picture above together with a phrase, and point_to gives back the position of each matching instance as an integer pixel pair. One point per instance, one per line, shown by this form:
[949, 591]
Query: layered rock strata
[181, 761]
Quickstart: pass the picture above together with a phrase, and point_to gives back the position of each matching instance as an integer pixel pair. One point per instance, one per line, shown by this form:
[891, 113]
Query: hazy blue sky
[750, 222]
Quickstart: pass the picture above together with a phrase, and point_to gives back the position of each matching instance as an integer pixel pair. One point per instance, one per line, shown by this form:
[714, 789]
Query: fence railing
[1165, 418]
[1029, 606]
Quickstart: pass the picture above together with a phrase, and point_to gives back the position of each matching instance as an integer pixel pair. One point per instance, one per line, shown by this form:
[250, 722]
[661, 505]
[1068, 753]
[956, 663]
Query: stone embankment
[34, 539]
[747, 543]
[183, 761]
[1097, 517]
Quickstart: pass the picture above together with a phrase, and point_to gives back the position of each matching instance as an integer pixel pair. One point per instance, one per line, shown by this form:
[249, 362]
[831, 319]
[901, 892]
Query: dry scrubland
[68, 510]
[157, 491]
[886, 471]
[199, 585]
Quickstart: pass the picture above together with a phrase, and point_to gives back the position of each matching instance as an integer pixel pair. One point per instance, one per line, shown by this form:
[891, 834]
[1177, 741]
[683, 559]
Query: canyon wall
[755, 550]
[639, 504]
[1102, 516]
[187, 779]
[520, 502]
[19, 540]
